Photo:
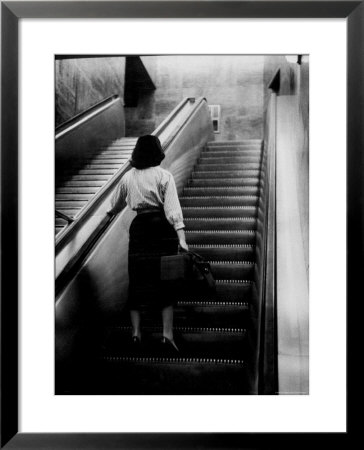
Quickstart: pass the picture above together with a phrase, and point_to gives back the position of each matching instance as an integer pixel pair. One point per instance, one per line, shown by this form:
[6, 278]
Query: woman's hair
[147, 152]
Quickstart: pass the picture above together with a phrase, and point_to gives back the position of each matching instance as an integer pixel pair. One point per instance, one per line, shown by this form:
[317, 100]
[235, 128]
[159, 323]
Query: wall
[292, 197]
[234, 82]
[83, 82]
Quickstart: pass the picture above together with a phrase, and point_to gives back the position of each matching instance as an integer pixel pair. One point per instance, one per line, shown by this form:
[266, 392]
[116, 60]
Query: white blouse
[153, 187]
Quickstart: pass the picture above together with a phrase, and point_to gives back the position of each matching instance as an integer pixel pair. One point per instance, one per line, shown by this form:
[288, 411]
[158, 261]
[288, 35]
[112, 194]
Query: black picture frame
[11, 12]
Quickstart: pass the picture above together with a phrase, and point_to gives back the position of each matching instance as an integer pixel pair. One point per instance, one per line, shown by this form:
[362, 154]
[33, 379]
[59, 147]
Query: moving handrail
[86, 115]
[268, 294]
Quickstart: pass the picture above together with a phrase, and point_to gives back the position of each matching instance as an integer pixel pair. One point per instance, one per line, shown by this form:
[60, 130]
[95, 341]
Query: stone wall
[235, 82]
[83, 82]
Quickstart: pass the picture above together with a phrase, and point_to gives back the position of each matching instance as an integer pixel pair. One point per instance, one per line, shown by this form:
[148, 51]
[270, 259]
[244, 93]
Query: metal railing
[267, 371]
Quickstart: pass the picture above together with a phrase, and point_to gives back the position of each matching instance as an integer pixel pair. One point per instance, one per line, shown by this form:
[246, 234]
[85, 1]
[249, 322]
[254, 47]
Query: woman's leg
[167, 317]
[135, 322]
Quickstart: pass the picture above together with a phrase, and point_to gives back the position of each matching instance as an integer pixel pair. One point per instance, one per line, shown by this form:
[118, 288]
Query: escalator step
[212, 314]
[232, 270]
[93, 177]
[197, 313]
[233, 290]
[220, 223]
[235, 142]
[225, 252]
[222, 200]
[204, 167]
[95, 172]
[137, 375]
[193, 341]
[226, 173]
[217, 191]
[223, 182]
[231, 159]
[97, 165]
[219, 211]
[72, 197]
[106, 161]
[195, 237]
[76, 190]
[218, 153]
[64, 204]
[82, 184]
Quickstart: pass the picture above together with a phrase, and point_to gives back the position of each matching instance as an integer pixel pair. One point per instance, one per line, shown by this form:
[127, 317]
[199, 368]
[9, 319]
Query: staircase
[81, 182]
[220, 211]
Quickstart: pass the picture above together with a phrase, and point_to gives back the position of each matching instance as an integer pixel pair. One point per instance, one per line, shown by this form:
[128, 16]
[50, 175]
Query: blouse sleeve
[118, 198]
[172, 207]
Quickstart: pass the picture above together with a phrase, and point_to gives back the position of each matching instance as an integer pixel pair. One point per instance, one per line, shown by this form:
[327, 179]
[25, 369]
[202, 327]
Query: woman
[157, 230]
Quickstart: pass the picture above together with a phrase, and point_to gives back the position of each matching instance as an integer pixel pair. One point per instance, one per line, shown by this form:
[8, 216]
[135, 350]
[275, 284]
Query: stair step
[232, 270]
[232, 290]
[212, 314]
[193, 342]
[93, 177]
[118, 375]
[95, 166]
[242, 143]
[218, 190]
[225, 252]
[197, 313]
[220, 223]
[232, 147]
[219, 211]
[223, 182]
[94, 173]
[220, 237]
[226, 174]
[76, 190]
[223, 166]
[72, 197]
[228, 152]
[82, 184]
[63, 204]
[223, 200]
[228, 159]
[101, 160]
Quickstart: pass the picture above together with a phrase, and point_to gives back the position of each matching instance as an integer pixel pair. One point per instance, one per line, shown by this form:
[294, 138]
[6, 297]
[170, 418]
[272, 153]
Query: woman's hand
[182, 239]
[183, 245]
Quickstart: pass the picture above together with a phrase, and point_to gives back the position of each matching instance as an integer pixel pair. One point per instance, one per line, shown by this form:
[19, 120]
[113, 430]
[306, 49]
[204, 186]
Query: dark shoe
[169, 346]
[135, 340]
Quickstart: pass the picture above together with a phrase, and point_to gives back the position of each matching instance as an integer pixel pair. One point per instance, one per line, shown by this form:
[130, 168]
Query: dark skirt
[150, 237]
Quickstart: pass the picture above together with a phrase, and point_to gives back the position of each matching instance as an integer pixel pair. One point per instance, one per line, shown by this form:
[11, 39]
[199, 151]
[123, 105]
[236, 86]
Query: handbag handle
[189, 252]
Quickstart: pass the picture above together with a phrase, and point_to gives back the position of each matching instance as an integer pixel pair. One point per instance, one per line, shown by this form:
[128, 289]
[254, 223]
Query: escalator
[223, 193]
[219, 205]
[83, 181]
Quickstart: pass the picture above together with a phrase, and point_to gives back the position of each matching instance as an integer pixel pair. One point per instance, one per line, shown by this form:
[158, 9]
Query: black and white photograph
[181, 224]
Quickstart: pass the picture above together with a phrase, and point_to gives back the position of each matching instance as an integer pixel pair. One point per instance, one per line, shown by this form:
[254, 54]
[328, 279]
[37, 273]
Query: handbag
[189, 269]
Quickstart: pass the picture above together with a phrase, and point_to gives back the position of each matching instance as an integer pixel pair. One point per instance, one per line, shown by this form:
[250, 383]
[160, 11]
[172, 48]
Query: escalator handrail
[268, 383]
[84, 116]
[66, 235]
